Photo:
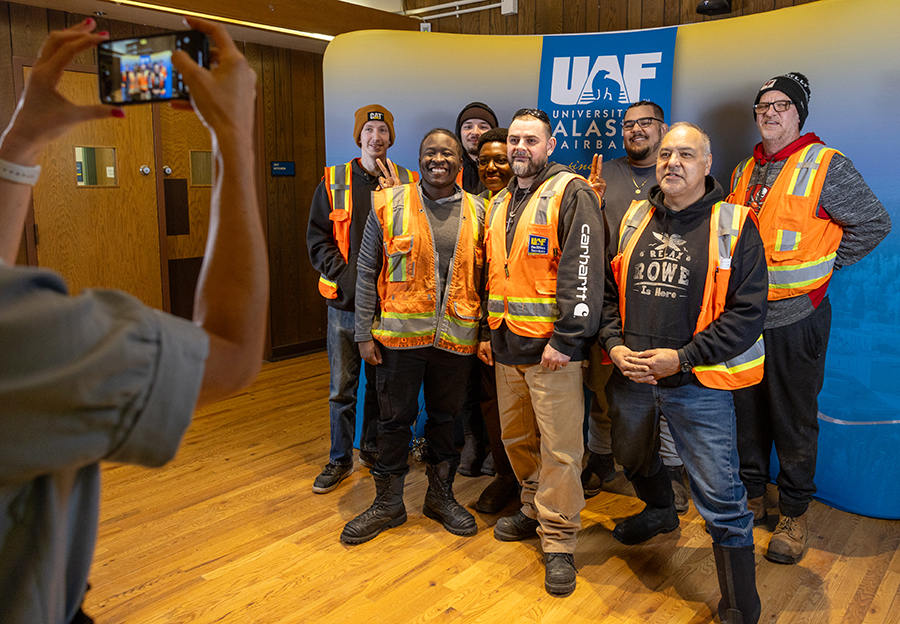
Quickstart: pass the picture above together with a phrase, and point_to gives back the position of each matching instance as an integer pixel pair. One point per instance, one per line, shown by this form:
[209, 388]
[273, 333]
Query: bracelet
[18, 173]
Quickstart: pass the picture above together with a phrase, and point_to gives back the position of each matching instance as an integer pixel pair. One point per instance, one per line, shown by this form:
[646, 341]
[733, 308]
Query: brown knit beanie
[372, 112]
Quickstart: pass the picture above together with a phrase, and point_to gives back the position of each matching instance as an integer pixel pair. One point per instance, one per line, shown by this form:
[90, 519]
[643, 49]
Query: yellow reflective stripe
[805, 172]
[545, 300]
[543, 319]
[327, 281]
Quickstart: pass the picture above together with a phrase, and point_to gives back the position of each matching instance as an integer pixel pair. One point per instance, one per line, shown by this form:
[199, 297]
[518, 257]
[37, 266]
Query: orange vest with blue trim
[800, 246]
[407, 285]
[522, 284]
[725, 225]
[340, 197]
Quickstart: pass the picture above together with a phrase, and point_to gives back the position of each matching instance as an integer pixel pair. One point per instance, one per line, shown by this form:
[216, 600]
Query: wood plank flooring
[230, 531]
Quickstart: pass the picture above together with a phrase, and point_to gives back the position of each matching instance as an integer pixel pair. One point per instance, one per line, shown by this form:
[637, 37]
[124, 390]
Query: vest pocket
[467, 310]
[400, 266]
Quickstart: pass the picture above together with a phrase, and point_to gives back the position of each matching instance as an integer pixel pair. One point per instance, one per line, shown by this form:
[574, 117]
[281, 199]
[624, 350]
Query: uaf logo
[577, 80]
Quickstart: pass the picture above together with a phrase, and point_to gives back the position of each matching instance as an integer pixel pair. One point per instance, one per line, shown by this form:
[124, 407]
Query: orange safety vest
[522, 285]
[725, 225]
[340, 197]
[407, 284]
[800, 246]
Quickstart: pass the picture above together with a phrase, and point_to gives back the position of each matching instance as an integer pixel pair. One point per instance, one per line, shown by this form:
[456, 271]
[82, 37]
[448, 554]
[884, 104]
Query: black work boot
[472, 456]
[386, 512]
[498, 493]
[559, 573]
[440, 504]
[736, 569]
[659, 516]
[599, 469]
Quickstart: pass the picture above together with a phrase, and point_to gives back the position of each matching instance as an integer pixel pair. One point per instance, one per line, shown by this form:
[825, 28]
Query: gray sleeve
[92, 377]
[368, 267]
[851, 203]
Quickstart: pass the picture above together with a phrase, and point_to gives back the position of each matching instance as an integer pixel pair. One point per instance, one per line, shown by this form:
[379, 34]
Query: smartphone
[139, 70]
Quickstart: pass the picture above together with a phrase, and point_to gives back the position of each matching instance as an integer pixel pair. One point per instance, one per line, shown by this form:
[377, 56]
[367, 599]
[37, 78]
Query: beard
[528, 169]
[638, 153]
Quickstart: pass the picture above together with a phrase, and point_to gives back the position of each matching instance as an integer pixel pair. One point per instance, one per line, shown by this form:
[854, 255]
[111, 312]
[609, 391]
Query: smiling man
[544, 246]
[816, 214]
[685, 305]
[418, 312]
[340, 206]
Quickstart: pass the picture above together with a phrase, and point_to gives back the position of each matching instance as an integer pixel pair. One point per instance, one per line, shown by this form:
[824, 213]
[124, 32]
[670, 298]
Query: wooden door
[101, 236]
[185, 160]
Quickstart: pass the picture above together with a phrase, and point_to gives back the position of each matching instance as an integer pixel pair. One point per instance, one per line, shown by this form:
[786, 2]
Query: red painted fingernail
[89, 21]
[118, 112]
[103, 33]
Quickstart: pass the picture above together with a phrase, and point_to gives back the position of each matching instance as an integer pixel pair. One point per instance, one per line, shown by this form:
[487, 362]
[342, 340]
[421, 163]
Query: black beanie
[475, 110]
[794, 85]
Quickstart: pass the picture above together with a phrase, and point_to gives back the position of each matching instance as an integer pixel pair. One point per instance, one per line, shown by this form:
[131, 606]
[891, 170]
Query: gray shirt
[95, 377]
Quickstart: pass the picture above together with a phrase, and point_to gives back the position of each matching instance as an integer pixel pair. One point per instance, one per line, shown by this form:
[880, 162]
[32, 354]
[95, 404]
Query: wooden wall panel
[574, 16]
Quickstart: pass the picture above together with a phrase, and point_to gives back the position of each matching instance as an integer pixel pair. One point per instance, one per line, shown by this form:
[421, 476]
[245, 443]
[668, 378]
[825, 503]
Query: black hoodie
[582, 239]
[667, 275]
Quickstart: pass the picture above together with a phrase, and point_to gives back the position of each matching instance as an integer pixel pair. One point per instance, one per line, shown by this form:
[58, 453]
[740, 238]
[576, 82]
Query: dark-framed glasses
[643, 122]
[779, 105]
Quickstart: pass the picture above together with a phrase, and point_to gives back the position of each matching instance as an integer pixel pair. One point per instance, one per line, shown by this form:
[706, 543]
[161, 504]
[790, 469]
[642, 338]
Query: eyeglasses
[484, 161]
[643, 122]
[532, 112]
[780, 106]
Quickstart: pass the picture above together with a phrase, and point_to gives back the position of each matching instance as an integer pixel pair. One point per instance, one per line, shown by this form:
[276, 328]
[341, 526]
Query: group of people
[534, 269]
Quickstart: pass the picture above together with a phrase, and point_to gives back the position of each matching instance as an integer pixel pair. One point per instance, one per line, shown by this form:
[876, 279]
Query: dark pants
[492, 418]
[783, 409]
[398, 379]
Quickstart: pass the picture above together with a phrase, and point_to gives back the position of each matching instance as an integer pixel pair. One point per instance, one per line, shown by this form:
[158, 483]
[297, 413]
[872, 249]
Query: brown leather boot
[757, 507]
[788, 543]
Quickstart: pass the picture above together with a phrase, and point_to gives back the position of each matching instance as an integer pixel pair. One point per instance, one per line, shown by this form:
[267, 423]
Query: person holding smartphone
[101, 376]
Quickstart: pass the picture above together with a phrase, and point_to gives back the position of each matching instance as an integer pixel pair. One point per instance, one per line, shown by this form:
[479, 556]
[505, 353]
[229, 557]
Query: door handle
[167, 170]
[145, 170]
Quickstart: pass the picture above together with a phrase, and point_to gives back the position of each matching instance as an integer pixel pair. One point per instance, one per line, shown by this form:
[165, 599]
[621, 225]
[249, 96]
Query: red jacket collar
[807, 139]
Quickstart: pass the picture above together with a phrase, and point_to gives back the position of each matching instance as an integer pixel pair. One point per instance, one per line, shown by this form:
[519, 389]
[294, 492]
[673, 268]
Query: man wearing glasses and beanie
[816, 214]
[545, 251]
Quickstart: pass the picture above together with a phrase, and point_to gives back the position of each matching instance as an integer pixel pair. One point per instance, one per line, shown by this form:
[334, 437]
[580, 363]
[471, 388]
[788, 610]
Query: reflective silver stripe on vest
[405, 175]
[541, 309]
[805, 171]
[750, 358]
[495, 305]
[631, 224]
[339, 186]
[410, 325]
[728, 231]
[549, 189]
[739, 173]
[787, 240]
[800, 275]
[397, 263]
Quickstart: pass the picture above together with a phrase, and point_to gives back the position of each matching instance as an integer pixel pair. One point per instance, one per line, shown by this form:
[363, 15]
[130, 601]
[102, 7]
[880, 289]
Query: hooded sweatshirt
[582, 239]
[667, 275]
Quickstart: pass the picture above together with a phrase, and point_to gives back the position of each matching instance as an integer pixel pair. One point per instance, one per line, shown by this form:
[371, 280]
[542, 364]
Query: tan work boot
[757, 507]
[788, 543]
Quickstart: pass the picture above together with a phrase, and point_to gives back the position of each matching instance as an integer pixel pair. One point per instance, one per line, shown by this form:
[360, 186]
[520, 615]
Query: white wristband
[18, 173]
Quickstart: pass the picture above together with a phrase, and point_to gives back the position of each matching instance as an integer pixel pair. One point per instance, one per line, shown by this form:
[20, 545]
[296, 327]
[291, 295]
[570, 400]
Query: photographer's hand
[42, 115]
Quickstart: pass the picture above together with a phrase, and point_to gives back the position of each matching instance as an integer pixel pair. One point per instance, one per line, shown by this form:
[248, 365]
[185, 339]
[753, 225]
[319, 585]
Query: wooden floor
[230, 532]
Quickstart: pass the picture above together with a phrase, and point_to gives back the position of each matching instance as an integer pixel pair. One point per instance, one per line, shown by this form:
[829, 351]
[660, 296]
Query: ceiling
[328, 17]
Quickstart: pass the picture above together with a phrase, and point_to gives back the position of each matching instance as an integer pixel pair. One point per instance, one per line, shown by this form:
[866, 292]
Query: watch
[685, 365]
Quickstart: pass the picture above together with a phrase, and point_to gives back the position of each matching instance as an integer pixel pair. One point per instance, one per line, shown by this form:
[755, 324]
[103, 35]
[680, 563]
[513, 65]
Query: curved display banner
[708, 74]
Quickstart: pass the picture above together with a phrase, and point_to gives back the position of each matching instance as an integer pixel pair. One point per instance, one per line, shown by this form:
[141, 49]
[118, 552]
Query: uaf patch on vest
[538, 245]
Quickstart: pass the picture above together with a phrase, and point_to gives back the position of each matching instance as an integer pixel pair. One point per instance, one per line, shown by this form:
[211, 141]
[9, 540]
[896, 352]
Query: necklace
[637, 189]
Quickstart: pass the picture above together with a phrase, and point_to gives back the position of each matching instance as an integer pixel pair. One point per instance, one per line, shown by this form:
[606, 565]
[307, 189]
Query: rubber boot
[659, 516]
[736, 569]
[440, 504]
[386, 512]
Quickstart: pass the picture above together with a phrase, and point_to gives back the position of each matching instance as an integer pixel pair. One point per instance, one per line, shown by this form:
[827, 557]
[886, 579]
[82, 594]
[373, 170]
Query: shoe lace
[787, 525]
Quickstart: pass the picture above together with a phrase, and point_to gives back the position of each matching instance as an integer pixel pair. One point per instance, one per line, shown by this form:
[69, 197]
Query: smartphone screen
[139, 70]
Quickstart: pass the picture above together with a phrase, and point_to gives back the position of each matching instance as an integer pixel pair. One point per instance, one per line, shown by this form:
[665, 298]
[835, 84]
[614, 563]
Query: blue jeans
[703, 426]
[344, 360]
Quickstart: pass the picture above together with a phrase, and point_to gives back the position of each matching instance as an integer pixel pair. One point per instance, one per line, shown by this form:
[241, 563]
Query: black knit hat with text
[794, 85]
